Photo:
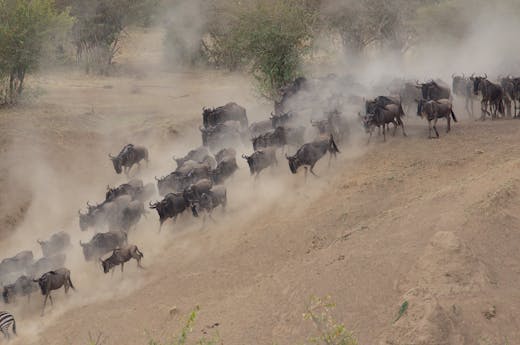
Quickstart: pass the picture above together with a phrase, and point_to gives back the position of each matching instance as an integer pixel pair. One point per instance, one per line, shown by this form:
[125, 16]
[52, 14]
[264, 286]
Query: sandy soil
[431, 222]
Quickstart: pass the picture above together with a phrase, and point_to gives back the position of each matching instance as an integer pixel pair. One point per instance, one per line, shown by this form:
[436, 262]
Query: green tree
[25, 27]
[271, 38]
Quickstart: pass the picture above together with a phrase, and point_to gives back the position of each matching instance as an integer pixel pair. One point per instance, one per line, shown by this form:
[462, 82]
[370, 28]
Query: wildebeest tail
[14, 326]
[401, 110]
[139, 252]
[453, 115]
[333, 146]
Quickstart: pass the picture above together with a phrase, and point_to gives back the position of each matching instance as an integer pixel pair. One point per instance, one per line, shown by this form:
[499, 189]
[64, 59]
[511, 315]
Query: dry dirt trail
[431, 222]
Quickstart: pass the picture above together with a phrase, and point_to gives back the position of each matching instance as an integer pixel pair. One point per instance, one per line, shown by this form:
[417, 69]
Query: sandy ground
[431, 222]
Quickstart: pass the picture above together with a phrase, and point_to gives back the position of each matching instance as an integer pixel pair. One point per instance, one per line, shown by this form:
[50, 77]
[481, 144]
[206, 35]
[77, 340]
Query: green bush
[26, 26]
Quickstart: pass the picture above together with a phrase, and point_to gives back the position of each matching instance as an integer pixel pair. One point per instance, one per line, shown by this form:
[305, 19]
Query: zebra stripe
[6, 321]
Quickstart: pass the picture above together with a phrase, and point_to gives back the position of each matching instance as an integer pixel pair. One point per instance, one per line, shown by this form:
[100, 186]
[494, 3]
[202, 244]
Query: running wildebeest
[57, 243]
[259, 128]
[23, 286]
[225, 153]
[261, 160]
[129, 156]
[434, 110]
[492, 96]
[180, 179]
[18, 263]
[223, 134]
[47, 263]
[298, 85]
[6, 321]
[408, 94]
[229, 112]
[217, 196]
[102, 243]
[433, 90]
[135, 188]
[53, 280]
[170, 207]
[195, 190]
[274, 138]
[508, 85]
[196, 155]
[281, 120]
[309, 154]
[224, 170]
[380, 112]
[120, 256]
[463, 87]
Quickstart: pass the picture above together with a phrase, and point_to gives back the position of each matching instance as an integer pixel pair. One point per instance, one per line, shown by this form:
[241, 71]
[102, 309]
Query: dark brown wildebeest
[261, 160]
[492, 96]
[259, 128]
[196, 155]
[380, 112]
[274, 138]
[224, 170]
[229, 112]
[120, 256]
[18, 263]
[434, 110]
[217, 196]
[309, 154]
[434, 90]
[129, 156]
[53, 280]
[170, 207]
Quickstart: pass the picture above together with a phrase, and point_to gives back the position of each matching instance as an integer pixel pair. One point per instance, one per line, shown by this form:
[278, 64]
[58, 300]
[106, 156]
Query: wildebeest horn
[244, 156]
[201, 129]
[204, 108]
[485, 75]
[156, 179]
[108, 187]
[39, 242]
[81, 243]
[110, 156]
[286, 156]
[452, 75]
[88, 204]
[463, 76]
[79, 213]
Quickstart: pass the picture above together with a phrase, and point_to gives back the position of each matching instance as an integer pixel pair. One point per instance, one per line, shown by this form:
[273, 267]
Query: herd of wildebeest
[198, 184]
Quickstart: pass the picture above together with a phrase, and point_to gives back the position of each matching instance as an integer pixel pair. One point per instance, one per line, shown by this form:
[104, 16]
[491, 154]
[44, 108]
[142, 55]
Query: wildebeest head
[160, 207]
[366, 121]
[294, 163]
[116, 161]
[5, 294]
[87, 220]
[250, 163]
[87, 250]
[477, 83]
[106, 264]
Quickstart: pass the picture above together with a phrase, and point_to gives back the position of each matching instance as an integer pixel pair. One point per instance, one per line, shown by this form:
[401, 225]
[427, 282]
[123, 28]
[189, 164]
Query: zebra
[7, 320]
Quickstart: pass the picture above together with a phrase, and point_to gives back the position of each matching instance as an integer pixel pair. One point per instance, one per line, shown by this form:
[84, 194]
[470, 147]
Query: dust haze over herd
[414, 239]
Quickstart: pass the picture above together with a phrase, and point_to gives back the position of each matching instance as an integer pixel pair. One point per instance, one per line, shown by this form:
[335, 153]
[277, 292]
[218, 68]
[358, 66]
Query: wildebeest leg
[122, 266]
[429, 129]
[384, 133]
[112, 270]
[401, 123]
[448, 128]
[312, 171]
[45, 302]
[435, 126]
[306, 169]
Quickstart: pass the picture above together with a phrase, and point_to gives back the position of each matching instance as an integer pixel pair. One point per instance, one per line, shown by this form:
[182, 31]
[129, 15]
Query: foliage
[186, 330]
[330, 332]
[100, 26]
[269, 37]
[26, 26]
[402, 310]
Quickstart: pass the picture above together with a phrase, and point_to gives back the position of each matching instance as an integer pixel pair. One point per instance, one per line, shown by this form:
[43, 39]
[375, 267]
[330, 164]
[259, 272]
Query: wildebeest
[180, 179]
[120, 256]
[274, 138]
[102, 243]
[18, 263]
[128, 156]
[281, 105]
[260, 160]
[53, 280]
[510, 94]
[224, 170]
[7, 320]
[281, 120]
[229, 112]
[225, 153]
[492, 96]
[259, 128]
[463, 87]
[171, 206]
[23, 286]
[47, 263]
[433, 90]
[196, 155]
[380, 112]
[118, 214]
[434, 110]
[134, 188]
[57, 243]
[222, 135]
[217, 196]
[408, 93]
[309, 154]
[195, 190]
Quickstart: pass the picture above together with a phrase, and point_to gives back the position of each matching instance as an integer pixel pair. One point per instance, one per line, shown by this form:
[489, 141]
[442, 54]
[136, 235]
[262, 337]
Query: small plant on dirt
[402, 310]
[96, 340]
[186, 330]
[330, 332]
